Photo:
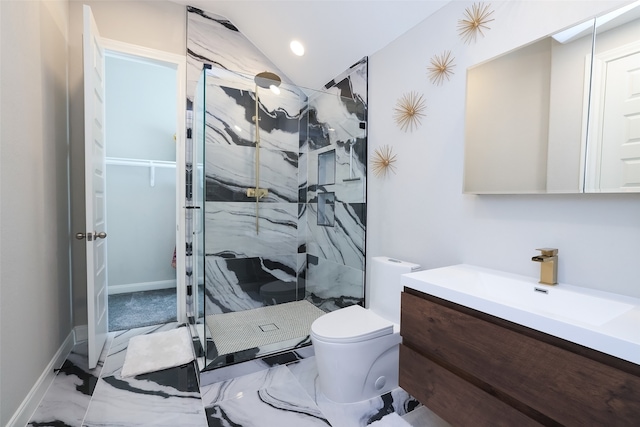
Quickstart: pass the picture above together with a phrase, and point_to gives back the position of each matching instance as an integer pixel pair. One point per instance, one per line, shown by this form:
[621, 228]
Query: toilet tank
[385, 287]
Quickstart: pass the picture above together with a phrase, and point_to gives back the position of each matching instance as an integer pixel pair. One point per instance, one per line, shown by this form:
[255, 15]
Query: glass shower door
[281, 247]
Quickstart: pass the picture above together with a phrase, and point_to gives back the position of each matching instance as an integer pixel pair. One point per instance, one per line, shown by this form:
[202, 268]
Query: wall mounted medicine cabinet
[560, 114]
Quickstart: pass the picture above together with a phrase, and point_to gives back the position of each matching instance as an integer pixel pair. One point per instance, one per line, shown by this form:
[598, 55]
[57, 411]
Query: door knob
[91, 236]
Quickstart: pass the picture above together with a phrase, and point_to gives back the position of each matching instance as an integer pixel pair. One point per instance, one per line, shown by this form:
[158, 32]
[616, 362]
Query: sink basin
[556, 301]
[600, 320]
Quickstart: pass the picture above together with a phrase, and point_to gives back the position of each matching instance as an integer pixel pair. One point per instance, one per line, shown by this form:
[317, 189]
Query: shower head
[267, 79]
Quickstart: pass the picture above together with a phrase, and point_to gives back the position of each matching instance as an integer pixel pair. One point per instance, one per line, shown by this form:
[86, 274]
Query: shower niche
[327, 167]
[326, 176]
[281, 192]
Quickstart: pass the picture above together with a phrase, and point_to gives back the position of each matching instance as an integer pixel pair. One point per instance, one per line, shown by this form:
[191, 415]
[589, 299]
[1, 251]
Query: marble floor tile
[282, 405]
[68, 397]
[424, 417]
[350, 414]
[239, 386]
[115, 360]
[281, 391]
[170, 397]
[306, 374]
[232, 371]
[359, 413]
[164, 398]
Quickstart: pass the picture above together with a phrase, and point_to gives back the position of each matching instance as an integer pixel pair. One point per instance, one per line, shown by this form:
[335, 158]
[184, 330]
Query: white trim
[142, 286]
[179, 62]
[118, 48]
[30, 403]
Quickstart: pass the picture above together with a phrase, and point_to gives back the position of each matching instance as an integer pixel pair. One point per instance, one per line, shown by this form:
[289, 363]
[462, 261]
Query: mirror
[528, 118]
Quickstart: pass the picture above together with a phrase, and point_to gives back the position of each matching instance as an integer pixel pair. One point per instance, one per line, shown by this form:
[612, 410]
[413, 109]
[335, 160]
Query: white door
[620, 143]
[95, 188]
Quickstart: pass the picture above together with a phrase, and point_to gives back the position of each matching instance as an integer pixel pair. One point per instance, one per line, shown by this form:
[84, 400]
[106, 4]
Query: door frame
[122, 49]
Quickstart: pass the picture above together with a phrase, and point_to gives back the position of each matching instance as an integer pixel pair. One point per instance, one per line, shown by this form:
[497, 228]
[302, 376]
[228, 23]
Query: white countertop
[603, 321]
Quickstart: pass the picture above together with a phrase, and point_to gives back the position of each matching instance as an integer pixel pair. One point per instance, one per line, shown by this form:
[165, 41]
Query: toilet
[357, 349]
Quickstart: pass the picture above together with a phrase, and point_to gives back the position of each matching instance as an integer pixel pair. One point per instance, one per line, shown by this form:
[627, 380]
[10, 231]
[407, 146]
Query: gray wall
[41, 130]
[35, 312]
[158, 25]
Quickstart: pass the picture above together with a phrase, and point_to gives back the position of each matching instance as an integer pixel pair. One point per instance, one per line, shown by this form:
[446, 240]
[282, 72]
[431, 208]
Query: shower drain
[268, 327]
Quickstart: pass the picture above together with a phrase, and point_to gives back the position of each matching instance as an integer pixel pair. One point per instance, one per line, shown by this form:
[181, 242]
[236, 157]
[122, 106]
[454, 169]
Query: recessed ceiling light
[297, 48]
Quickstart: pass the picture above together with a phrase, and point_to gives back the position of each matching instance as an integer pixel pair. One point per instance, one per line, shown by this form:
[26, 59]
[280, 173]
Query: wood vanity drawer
[545, 381]
[452, 398]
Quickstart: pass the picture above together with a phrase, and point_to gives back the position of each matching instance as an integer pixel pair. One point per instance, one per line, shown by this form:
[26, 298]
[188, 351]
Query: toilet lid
[350, 324]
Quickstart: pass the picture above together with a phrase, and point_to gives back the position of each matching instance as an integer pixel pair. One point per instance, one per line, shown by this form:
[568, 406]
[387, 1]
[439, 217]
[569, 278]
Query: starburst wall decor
[383, 161]
[474, 21]
[441, 67]
[409, 109]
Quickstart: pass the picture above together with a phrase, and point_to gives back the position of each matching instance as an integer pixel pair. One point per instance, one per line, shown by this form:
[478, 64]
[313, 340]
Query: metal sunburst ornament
[474, 21]
[409, 109]
[383, 161]
[441, 67]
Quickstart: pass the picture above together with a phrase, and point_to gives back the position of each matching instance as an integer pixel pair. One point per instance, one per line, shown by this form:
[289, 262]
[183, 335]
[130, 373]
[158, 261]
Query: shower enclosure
[279, 200]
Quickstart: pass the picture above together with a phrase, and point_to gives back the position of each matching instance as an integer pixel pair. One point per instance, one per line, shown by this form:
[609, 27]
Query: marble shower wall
[333, 143]
[238, 261]
[324, 263]
[240, 257]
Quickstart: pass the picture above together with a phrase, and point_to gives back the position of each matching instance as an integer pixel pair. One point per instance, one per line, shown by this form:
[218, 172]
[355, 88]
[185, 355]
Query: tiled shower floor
[280, 395]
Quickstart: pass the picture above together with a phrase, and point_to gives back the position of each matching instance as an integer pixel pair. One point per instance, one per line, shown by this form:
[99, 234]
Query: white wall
[159, 25]
[35, 312]
[420, 213]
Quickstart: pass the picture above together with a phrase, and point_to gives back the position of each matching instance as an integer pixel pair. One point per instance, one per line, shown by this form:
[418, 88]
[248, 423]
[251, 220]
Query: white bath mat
[241, 330]
[391, 420]
[157, 351]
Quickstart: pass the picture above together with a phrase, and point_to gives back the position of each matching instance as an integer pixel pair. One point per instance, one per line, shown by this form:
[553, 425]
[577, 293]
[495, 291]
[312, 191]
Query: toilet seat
[350, 325]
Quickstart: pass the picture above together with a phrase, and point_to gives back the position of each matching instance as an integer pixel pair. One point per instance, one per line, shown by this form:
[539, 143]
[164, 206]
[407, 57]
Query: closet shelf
[151, 164]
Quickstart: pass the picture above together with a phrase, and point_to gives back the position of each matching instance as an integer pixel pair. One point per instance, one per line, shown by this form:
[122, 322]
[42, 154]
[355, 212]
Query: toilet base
[349, 374]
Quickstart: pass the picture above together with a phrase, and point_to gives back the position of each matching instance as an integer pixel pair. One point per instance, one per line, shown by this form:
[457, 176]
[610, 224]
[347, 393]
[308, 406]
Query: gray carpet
[146, 308]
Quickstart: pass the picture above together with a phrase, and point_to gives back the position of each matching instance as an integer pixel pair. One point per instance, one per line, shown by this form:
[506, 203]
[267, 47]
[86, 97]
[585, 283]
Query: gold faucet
[548, 260]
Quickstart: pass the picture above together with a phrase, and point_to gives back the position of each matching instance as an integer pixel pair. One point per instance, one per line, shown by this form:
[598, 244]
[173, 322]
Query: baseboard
[29, 405]
[142, 286]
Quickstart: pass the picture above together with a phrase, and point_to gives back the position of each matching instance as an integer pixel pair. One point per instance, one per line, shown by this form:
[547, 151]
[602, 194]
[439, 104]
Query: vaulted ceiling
[336, 34]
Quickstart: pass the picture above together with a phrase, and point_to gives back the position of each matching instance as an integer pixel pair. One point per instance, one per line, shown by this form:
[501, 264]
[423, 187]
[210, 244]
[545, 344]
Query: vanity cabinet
[475, 369]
